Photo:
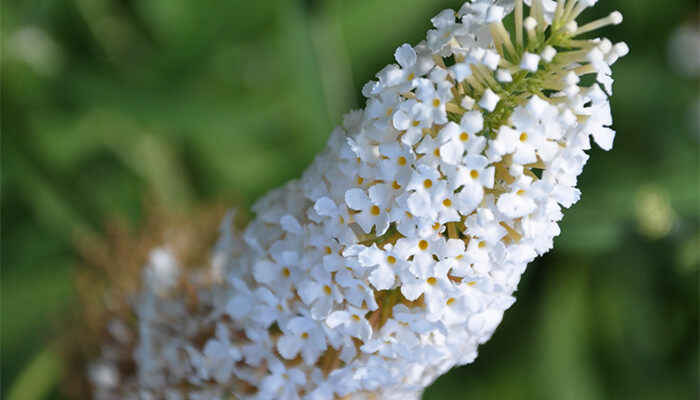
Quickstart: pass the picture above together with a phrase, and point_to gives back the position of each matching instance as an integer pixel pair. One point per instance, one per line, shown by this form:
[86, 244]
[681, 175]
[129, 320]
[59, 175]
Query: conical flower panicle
[397, 252]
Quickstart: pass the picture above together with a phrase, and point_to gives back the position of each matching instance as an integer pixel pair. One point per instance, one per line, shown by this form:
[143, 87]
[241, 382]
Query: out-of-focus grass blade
[296, 52]
[333, 61]
[50, 207]
[34, 292]
[38, 378]
[563, 347]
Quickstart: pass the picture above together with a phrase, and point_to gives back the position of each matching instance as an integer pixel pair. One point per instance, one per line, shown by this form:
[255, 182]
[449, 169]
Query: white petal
[401, 120]
[405, 55]
[475, 323]
[412, 290]
[288, 346]
[537, 106]
[604, 137]
[265, 271]
[309, 291]
[291, 225]
[299, 325]
[338, 318]
[239, 306]
[382, 278]
[356, 199]
[381, 194]
[371, 256]
[419, 203]
[515, 206]
[365, 220]
[472, 122]
[326, 207]
[452, 152]
[444, 19]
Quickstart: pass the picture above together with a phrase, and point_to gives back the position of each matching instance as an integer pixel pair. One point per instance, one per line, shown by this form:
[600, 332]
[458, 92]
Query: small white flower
[423, 178]
[352, 322]
[302, 335]
[412, 67]
[276, 275]
[383, 106]
[320, 294]
[458, 139]
[384, 266]
[370, 215]
[432, 98]
[431, 282]
[429, 148]
[282, 383]
[407, 119]
[220, 356]
[517, 202]
[446, 29]
[397, 164]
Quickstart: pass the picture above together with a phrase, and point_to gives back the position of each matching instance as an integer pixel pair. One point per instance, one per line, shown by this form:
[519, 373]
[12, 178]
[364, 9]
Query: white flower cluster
[397, 252]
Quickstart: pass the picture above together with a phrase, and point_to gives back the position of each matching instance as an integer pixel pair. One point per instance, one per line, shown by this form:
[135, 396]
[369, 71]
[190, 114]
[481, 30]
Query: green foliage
[104, 100]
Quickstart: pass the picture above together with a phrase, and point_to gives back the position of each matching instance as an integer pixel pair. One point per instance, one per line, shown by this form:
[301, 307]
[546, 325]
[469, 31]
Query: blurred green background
[105, 100]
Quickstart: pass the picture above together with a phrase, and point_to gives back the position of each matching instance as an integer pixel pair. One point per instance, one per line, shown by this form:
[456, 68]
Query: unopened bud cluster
[396, 254]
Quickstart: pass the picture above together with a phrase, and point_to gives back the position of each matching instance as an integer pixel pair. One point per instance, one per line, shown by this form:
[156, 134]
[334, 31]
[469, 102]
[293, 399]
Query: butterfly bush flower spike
[397, 252]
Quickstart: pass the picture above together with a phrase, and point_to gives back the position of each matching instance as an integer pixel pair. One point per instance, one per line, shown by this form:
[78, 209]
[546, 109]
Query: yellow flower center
[474, 174]
[464, 136]
[422, 245]
[436, 102]
[402, 160]
[285, 271]
[447, 202]
[431, 281]
[427, 183]
[523, 137]
[391, 260]
[375, 210]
